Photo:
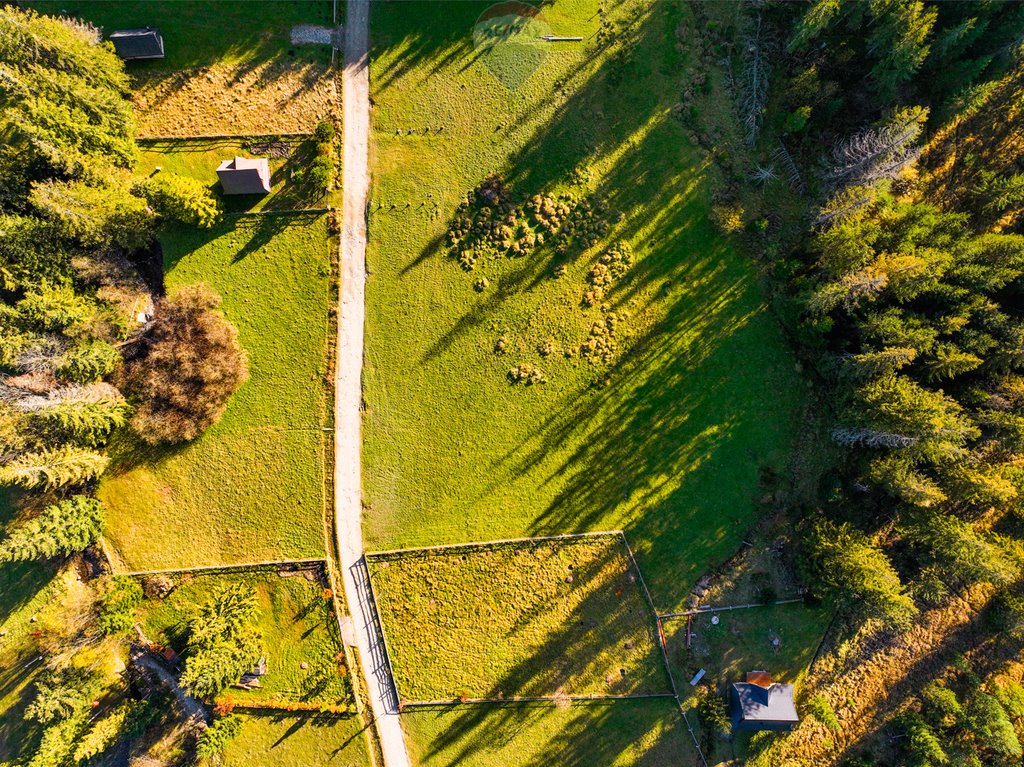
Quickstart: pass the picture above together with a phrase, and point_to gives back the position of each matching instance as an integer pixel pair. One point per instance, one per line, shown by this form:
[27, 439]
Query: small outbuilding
[138, 44]
[761, 704]
[245, 175]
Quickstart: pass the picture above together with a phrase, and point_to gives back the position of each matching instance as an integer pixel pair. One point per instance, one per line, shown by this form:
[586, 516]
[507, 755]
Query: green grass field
[625, 733]
[294, 741]
[564, 617]
[199, 159]
[657, 421]
[296, 624]
[665, 440]
[252, 487]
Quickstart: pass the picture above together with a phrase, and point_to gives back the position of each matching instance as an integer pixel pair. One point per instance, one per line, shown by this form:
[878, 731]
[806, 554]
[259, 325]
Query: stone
[303, 665]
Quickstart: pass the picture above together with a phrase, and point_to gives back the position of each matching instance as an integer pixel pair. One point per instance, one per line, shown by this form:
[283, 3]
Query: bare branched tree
[877, 153]
[854, 436]
[754, 96]
[782, 156]
[762, 174]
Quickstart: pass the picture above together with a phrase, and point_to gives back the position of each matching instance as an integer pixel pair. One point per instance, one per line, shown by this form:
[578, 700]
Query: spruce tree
[62, 528]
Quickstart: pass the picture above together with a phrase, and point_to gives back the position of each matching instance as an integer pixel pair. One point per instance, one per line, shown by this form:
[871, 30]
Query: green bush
[214, 738]
[324, 132]
[183, 199]
[320, 173]
[822, 710]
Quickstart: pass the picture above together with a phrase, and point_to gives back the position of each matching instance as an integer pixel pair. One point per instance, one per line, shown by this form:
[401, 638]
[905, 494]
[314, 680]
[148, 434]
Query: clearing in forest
[539, 619]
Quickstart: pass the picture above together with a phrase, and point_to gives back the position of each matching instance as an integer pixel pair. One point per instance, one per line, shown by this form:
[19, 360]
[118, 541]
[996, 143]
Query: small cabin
[244, 175]
[758, 703]
[138, 44]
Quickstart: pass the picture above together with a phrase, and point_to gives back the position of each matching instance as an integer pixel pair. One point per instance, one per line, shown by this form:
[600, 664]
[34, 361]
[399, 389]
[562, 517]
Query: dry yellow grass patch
[227, 99]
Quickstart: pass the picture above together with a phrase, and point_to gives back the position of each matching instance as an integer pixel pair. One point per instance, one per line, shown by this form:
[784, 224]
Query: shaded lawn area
[296, 623]
[291, 740]
[199, 159]
[621, 733]
[665, 440]
[198, 33]
[742, 642]
[553, 618]
[252, 487]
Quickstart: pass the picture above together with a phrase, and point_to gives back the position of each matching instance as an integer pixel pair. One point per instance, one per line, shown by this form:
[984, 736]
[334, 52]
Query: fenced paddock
[560, 618]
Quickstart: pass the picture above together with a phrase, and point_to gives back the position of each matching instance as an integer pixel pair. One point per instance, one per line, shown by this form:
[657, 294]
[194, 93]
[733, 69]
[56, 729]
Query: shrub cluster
[488, 224]
[612, 265]
[526, 374]
[321, 172]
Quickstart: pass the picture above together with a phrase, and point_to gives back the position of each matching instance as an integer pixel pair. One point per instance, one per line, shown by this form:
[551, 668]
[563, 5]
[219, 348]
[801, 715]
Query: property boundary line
[664, 650]
[701, 610]
[535, 699]
[483, 544]
[227, 568]
[372, 604]
[224, 136]
[264, 213]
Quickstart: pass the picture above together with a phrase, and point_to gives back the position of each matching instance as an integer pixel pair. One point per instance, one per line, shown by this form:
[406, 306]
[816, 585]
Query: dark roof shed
[135, 44]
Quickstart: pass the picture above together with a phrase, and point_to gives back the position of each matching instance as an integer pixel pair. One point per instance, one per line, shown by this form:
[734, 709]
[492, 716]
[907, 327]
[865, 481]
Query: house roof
[145, 43]
[245, 175]
[755, 707]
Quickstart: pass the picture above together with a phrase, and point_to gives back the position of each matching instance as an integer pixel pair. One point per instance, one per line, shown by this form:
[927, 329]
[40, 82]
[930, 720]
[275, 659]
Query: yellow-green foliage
[517, 621]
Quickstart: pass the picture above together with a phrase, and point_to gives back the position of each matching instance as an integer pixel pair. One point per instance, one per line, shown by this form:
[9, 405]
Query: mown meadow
[251, 488]
[622, 373]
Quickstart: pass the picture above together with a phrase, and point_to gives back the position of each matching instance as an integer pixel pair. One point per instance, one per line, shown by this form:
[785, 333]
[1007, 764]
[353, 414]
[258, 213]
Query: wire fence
[701, 610]
[487, 544]
[240, 567]
[533, 699]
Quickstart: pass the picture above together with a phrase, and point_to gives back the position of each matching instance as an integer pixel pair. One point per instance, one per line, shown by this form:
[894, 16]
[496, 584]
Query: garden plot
[230, 67]
[296, 623]
[555, 618]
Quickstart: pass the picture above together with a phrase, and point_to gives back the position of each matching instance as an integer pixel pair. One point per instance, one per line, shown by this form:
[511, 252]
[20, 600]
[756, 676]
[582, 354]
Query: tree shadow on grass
[673, 433]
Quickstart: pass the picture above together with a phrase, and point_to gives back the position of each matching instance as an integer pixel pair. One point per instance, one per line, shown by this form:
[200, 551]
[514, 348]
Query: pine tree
[87, 423]
[88, 361]
[184, 199]
[857, 574]
[956, 547]
[53, 467]
[63, 528]
[223, 643]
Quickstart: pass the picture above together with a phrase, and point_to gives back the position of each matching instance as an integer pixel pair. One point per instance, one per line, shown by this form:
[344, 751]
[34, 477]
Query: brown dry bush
[184, 368]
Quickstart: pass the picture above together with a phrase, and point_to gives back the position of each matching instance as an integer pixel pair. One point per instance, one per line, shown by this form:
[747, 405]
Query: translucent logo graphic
[511, 40]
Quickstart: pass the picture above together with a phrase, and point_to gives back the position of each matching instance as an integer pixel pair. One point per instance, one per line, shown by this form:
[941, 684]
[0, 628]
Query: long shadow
[576, 648]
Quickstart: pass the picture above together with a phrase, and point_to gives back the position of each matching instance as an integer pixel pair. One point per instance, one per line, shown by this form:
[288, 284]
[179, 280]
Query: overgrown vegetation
[887, 126]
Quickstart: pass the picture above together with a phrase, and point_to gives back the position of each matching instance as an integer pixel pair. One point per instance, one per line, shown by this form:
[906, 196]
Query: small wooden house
[761, 704]
[245, 175]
